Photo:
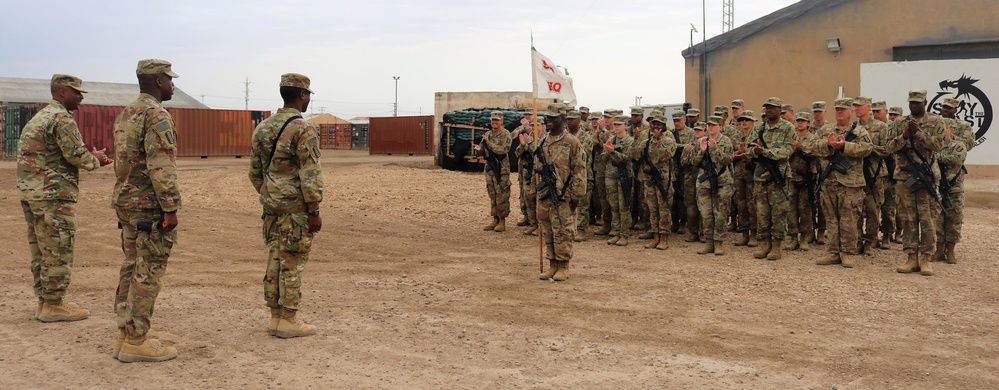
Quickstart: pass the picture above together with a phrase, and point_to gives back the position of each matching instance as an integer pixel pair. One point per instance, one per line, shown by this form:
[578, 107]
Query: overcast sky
[614, 50]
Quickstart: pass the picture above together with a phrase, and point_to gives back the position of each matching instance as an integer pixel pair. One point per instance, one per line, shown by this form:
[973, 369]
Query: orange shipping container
[204, 133]
[401, 135]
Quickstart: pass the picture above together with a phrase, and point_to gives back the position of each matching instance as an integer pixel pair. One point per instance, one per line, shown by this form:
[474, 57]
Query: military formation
[784, 181]
[285, 171]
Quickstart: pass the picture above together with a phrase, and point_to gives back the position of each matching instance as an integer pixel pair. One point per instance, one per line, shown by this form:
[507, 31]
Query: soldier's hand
[911, 128]
[315, 223]
[757, 149]
[169, 221]
[525, 138]
[712, 143]
[102, 156]
[608, 147]
[704, 144]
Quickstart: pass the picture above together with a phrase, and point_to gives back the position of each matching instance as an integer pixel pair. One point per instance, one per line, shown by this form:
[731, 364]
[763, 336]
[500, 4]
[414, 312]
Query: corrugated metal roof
[791, 12]
[326, 119]
[18, 90]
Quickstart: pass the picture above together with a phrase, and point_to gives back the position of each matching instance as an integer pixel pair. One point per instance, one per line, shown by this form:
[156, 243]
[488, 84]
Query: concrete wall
[790, 59]
[451, 101]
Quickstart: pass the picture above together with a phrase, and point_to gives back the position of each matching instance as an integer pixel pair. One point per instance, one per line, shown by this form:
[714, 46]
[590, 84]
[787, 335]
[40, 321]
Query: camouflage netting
[461, 141]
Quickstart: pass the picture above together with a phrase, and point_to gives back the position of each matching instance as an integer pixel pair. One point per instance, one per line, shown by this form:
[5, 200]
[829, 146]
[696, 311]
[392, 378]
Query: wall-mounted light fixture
[833, 44]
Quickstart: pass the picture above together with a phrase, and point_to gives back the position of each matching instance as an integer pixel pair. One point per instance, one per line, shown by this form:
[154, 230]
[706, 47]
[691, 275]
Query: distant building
[25, 91]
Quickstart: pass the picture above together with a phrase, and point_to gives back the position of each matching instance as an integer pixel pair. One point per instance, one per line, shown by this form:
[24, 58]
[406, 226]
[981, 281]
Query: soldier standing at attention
[50, 156]
[693, 116]
[885, 183]
[618, 173]
[800, 225]
[494, 146]
[524, 161]
[690, 184]
[893, 114]
[916, 137]
[842, 193]
[574, 121]
[146, 198]
[712, 154]
[584, 119]
[874, 168]
[286, 173]
[558, 225]
[657, 153]
[592, 187]
[951, 159]
[772, 144]
[743, 168]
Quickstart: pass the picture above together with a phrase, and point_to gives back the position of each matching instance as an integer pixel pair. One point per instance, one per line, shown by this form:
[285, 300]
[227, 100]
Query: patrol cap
[153, 66]
[818, 106]
[637, 111]
[716, 120]
[748, 115]
[572, 115]
[738, 103]
[917, 95]
[693, 112]
[700, 126]
[844, 103]
[296, 80]
[861, 100]
[785, 108]
[65, 80]
[951, 102]
[774, 101]
[721, 109]
[659, 118]
[584, 110]
[609, 113]
[552, 111]
[803, 116]
[595, 115]
[895, 110]
[677, 115]
[496, 115]
[879, 105]
[621, 120]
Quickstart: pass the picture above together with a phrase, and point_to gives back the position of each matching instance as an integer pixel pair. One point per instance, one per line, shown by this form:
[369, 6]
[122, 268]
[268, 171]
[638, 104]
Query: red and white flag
[550, 82]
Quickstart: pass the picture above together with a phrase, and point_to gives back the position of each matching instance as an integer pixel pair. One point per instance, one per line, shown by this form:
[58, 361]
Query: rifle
[549, 180]
[655, 174]
[836, 163]
[622, 176]
[922, 174]
[889, 166]
[492, 162]
[771, 166]
[947, 185]
[677, 167]
[710, 172]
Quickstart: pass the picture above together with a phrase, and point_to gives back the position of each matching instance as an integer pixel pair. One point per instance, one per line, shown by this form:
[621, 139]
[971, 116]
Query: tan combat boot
[523, 221]
[742, 241]
[925, 268]
[613, 240]
[563, 272]
[663, 242]
[531, 230]
[709, 247]
[898, 237]
[719, 248]
[289, 326]
[655, 241]
[939, 254]
[885, 241]
[692, 237]
[604, 230]
[846, 261]
[868, 248]
[803, 241]
[491, 225]
[56, 311]
[775, 251]
[951, 256]
[753, 243]
[145, 349]
[764, 250]
[820, 238]
[500, 225]
[646, 236]
[118, 342]
[911, 265]
[275, 318]
[792, 244]
[580, 236]
[38, 311]
[829, 259]
[622, 241]
[552, 267]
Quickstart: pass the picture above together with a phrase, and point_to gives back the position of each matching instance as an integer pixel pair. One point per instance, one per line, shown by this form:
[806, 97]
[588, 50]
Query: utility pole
[202, 99]
[246, 93]
[395, 107]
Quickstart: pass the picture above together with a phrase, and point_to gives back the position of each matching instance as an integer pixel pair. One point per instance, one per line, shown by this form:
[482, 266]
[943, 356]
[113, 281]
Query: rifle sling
[278, 138]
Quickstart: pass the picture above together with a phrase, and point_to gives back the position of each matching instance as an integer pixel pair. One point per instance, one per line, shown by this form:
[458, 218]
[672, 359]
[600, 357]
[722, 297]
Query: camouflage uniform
[951, 160]
[772, 204]
[586, 142]
[639, 210]
[714, 207]
[843, 194]
[566, 155]
[50, 156]
[689, 187]
[678, 209]
[874, 163]
[600, 163]
[659, 153]
[743, 167]
[498, 145]
[289, 186]
[962, 131]
[528, 207]
[620, 210]
[145, 145]
[800, 215]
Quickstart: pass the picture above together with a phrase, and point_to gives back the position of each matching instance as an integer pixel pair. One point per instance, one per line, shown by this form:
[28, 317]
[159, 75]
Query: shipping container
[209, 133]
[3, 137]
[16, 116]
[401, 135]
[96, 125]
[333, 136]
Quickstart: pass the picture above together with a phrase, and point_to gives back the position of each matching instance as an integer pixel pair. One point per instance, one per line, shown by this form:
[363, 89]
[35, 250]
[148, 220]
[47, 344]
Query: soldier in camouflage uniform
[656, 153]
[891, 203]
[494, 146]
[600, 168]
[596, 130]
[693, 116]
[874, 168]
[842, 194]
[732, 133]
[618, 170]
[584, 119]
[787, 113]
[286, 173]
[951, 160]
[917, 136]
[800, 225]
[819, 120]
[574, 120]
[689, 181]
[961, 128]
[528, 218]
[639, 130]
[715, 148]
[563, 151]
[682, 135]
[772, 201]
[743, 167]
[146, 198]
[738, 106]
[818, 115]
[884, 186]
[50, 155]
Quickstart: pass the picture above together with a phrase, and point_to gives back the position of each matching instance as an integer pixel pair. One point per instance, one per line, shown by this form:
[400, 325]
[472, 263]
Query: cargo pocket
[292, 230]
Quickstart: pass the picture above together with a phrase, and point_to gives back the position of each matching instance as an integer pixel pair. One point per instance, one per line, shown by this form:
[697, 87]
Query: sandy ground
[408, 292]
